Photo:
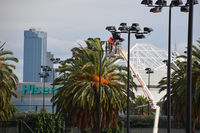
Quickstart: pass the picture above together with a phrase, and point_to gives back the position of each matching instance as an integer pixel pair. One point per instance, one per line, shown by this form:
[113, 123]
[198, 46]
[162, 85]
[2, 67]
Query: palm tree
[141, 101]
[8, 81]
[178, 87]
[77, 99]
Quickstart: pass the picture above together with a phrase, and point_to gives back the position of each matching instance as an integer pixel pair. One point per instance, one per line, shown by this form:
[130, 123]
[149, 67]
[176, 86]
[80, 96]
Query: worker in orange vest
[110, 44]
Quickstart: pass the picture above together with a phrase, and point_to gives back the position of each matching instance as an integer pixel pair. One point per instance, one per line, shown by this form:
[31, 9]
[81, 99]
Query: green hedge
[140, 121]
[35, 121]
[43, 122]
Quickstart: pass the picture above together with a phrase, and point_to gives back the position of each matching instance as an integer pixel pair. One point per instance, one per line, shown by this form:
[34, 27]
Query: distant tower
[35, 54]
[49, 63]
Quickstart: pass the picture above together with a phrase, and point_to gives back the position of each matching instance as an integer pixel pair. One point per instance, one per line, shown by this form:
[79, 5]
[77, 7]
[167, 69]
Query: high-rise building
[50, 64]
[35, 54]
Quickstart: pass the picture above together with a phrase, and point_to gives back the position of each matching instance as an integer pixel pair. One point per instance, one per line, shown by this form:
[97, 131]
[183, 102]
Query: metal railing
[36, 108]
[15, 126]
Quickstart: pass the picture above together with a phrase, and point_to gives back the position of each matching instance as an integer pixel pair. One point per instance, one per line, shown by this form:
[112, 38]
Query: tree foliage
[139, 102]
[77, 99]
[8, 81]
[178, 87]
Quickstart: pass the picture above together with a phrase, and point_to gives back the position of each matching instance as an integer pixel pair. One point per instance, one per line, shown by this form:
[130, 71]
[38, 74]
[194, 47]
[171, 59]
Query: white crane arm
[146, 91]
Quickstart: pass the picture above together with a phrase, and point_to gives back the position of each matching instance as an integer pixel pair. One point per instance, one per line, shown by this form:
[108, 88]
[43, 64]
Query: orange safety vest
[110, 40]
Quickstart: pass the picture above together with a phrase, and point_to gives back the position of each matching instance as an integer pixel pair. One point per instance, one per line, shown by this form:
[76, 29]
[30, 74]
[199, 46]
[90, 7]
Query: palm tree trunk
[83, 131]
[95, 130]
[193, 126]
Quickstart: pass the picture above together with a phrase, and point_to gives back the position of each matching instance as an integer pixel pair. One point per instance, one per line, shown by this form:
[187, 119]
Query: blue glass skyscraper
[35, 54]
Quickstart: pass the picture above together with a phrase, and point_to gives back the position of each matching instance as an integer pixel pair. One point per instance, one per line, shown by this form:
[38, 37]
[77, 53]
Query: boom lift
[146, 91]
[113, 52]
[116, 51]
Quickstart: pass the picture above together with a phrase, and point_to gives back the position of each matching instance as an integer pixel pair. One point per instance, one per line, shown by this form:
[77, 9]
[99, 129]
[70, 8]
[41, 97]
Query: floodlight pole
[53, 89]
[189, 70]
[44, 75]
[99, 99]
[128, 82]
[54, 61]
[169, 75]
[168, 70]
[43, 92]
[149, 89]
[148, 71]
[128, 30]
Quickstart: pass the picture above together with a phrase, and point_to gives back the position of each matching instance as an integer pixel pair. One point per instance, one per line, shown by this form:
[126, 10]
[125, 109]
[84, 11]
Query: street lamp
[44, 75]
[159, 4]
[54, 61]
[189, 67]
[99, 96]
[149, 71]
[133, 29]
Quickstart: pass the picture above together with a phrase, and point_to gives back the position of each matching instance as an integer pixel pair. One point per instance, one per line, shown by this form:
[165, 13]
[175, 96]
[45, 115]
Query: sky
[69, 22]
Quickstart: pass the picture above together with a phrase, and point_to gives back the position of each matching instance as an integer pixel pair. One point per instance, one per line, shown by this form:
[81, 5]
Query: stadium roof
[147, 55]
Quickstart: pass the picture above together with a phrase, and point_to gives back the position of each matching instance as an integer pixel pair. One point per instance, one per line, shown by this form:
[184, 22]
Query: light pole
[133, 29]
[149, 71]
[99, 111]
[44, 75]
[99, 96]
[189, 67]
[156, 9]
[55, 61]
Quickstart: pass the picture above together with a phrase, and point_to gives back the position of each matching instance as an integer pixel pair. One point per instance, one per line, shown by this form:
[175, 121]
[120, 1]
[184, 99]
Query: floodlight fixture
[90, 39]
[176, 2]
[111, 28]
[123, 29]
[161, 2]
[61, 62]
[147, 2]
[148, 30]
[134, 25]
[48, 68]
[194, 2]
[139, 36]
[147, 69]
[156, 9]
[185, 8]
[135, 29]
[123, 24]
[165, 61]
[116, 36]
[40, 74]
[52, 59]
[57, 59]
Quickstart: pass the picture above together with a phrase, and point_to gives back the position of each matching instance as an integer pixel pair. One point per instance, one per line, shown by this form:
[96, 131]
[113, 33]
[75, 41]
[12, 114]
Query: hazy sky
[69, 21]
